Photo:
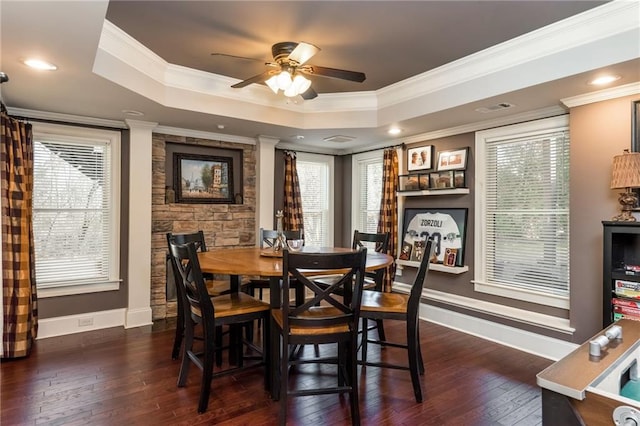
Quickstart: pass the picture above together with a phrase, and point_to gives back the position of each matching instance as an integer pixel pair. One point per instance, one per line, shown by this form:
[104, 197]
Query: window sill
[70, 290]
[521, 294]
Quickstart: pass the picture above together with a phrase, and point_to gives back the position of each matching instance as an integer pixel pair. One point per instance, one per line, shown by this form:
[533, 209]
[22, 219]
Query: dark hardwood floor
[127, 377]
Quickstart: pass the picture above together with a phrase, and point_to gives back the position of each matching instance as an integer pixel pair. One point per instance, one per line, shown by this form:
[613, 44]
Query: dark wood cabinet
[621, 269]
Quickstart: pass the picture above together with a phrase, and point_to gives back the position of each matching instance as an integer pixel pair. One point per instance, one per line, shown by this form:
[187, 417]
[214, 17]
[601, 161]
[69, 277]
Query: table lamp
[626, 175]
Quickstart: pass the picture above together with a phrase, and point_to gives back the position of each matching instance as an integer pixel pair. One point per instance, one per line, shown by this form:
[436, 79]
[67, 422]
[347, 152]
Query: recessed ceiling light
[40, 65]
[395, 131]
[604, 79]
[132, 112]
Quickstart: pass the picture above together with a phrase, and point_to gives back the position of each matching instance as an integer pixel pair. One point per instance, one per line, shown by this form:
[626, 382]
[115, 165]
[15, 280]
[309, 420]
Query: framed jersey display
[447, 228]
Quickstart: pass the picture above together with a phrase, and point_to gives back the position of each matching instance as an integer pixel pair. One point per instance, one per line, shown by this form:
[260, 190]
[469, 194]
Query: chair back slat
[187, 265]
[381, 241]
[267, 237]
[345, 294]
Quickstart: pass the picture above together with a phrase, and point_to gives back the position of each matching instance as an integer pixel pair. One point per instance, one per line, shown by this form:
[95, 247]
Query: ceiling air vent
[339, 138]
[496, 107]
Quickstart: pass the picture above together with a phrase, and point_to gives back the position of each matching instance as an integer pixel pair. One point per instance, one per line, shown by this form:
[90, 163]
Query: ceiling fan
[289, 68]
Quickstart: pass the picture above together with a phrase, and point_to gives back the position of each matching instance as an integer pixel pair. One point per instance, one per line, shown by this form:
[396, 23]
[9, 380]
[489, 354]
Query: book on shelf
[627, 289]
[635, 304]
[626, 312]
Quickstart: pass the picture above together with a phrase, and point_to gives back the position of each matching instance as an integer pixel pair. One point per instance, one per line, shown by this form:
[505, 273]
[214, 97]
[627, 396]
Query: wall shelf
[453, 191]
[435, 267]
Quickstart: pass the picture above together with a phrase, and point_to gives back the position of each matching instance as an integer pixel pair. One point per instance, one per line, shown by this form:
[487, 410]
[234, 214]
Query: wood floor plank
[117, 376]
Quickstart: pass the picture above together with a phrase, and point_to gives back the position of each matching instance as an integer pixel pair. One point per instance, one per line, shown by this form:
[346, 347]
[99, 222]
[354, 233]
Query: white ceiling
[429, 64]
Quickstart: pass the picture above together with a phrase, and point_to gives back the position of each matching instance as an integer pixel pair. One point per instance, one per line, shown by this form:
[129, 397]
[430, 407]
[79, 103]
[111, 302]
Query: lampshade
[626, 170]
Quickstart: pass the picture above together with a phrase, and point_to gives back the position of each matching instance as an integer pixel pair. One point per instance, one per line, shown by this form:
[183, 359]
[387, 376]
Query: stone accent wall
[224, 225]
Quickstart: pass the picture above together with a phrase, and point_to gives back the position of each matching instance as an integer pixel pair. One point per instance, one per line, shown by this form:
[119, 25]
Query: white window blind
[367, 190]
[524, 223]
[76, 207]
[315, 173]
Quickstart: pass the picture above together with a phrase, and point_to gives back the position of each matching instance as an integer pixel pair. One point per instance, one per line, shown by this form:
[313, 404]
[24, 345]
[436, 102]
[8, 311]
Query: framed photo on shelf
[459, 179]
[420, 158]
[203, 178]
[455, 159]
[447, 228]
[441, 180]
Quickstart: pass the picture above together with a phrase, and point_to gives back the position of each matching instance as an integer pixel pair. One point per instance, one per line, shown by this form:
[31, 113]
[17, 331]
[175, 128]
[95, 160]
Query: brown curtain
[19, 299]
[293, 219]
[388, 221]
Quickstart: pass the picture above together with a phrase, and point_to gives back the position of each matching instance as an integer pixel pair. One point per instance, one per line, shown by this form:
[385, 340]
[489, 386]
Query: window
[522, 212]
[315, 173]
[76, 209]
[367, 190]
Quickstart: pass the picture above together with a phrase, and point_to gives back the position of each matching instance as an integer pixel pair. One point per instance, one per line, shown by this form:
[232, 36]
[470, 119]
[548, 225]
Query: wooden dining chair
[214, 287]
[378, 305]
[321, 319]
[373, 280]
[200, 309]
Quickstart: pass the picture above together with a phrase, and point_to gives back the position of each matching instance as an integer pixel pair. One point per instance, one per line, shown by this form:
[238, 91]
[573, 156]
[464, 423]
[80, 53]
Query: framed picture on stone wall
[203, 178]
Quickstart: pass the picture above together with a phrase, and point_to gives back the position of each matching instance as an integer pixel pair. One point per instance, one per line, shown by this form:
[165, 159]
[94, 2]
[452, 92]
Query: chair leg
[177, 340]
[420, 360]
[207, 373]
[275, 360]
[266, 351]
[365, 336]
[412, 347]
[186, 360]
[352, 368]
[219, 345]
[284, 380]
[380, 326]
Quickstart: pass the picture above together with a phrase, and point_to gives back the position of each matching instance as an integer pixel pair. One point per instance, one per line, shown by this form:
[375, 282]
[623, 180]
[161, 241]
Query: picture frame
[203, 179]
[446, 226]
[459, 179]
[420, 158]
[635, 126]
[441, 180]
[455, 159]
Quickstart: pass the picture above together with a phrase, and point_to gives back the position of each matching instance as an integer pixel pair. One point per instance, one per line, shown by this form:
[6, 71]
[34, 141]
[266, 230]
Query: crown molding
[187, 133]
[591, 26]
[598, 37]
[602, 95]
[66, 118]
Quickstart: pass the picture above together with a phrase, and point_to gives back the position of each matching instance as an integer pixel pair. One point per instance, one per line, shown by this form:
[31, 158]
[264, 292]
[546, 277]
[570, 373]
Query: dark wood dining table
[264, 262]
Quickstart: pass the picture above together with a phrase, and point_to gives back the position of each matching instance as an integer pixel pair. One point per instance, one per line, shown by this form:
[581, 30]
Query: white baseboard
[138, 317]
[526, 341]
[69, 324]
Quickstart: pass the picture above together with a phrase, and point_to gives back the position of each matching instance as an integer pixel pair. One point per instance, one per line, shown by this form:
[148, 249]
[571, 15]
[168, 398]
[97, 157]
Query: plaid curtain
[293, 219]
[388, 221]
[19, 299]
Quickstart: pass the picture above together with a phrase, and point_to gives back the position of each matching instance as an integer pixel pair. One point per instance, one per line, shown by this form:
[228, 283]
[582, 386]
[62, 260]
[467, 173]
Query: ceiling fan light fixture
[301, 84]
[284, 80]
[273, 84]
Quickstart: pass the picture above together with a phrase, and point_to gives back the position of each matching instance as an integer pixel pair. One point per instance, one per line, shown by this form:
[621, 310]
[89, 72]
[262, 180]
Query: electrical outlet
[85, 322]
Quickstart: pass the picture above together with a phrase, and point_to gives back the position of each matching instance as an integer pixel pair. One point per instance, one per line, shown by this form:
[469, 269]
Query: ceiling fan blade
[236, 56]
[303, 52]
[335, 73]
[309, 94]
[255, 79]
